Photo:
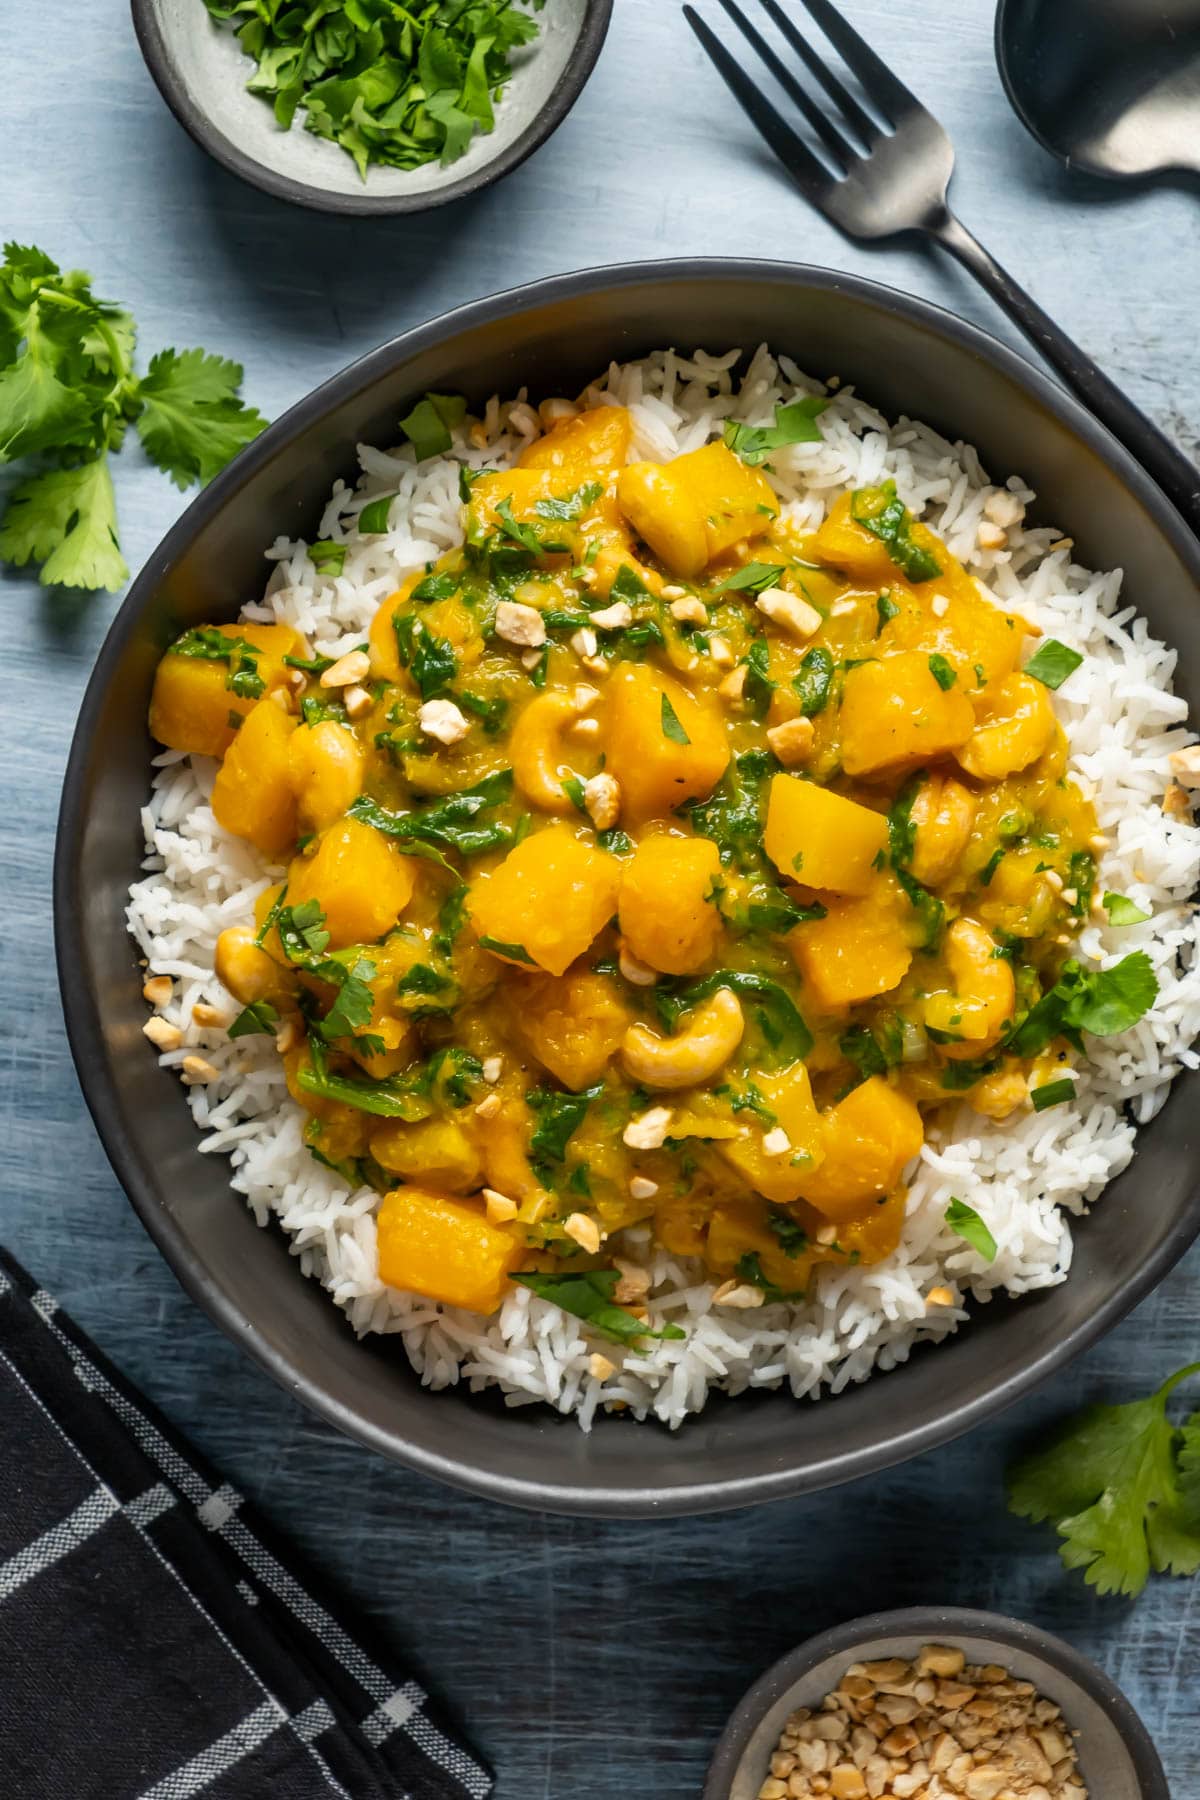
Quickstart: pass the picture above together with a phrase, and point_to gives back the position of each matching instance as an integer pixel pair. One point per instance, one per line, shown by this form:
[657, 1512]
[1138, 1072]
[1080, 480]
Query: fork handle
[1176, 475]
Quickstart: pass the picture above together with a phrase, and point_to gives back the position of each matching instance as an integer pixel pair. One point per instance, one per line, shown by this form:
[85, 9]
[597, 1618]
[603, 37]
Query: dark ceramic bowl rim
[84, 1026]
[936, 1624]
[202, 131]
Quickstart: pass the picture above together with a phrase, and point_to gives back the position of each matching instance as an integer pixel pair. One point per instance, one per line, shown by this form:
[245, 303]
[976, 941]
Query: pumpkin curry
[652, 861]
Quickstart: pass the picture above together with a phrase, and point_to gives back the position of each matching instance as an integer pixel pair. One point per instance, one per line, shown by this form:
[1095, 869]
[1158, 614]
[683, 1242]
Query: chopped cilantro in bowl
[371, 106]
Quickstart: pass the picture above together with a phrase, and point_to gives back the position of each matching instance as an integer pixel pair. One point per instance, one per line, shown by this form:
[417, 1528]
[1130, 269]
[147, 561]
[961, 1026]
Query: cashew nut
[984, 994]
[537, 749]
[942, 816]
[1015, 723]
[694, 1054]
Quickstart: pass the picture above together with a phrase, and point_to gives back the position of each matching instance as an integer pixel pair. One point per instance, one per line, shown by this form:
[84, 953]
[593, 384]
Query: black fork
[886, 171]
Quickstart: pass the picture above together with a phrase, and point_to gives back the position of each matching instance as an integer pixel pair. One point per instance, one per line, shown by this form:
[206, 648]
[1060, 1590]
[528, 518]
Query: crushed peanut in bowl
[935, 1728]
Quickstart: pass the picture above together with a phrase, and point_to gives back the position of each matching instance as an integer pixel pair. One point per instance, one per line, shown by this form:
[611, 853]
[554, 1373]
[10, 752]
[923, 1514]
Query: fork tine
[795, 155]
[832, 139]
[865, 126]
[883, 89]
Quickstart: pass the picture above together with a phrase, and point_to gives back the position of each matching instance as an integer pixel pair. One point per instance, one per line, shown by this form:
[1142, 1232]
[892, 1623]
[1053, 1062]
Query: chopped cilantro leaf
[964, 1220]
[511, 952]
[1123, 911]
[374, 515]
[569, 506]
[1052, 662]
[430, 424]
[559, 1116]
[794, 424]
[259, 1017]
[671, 726]
[588, 1296]
[814, 683]
[788, 1232]
[752, 578]
[881, 512]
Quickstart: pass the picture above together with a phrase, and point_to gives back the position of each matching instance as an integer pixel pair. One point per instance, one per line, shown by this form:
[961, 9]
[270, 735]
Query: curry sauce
[651, 861]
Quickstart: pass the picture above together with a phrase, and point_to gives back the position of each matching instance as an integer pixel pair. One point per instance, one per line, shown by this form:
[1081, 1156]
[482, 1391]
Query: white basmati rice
[1025, 1177]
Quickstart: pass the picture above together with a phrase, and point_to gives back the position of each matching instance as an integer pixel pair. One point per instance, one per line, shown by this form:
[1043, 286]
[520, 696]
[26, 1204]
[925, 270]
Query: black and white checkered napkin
[155, 1642]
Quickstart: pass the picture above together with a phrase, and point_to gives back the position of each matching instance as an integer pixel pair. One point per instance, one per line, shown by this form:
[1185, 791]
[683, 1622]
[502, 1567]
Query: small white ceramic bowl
[201, 72]
[1117, 1760]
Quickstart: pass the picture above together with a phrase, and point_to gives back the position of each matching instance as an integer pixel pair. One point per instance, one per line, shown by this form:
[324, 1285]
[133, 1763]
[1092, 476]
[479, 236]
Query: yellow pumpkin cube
[870, 1137]
[845, 544]
[696, 507]
[662, 745]
[739, 1228]
[822, 839]
[326, 772]
[432, 1244]
[668, 914]
[193, 707]
[871, 1235]
[592, 445]
[521, 488]
[681, 1221]
[1015, 725]
[573, 1024]
[861, 948]
[360, 882]
[735, 501]
[252, 794]
[895, 714]
[546, 901]
[381, 637]
[664, 515]
[774, 1170]
[439, 1152]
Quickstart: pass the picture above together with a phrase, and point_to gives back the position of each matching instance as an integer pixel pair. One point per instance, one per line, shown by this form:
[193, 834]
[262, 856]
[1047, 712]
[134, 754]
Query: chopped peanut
[791, 741]
[162, 1035]
[197, 1071]
[602, 797]
[498, 1206]
[584, 1231]
[348, 670]
[442, 720]
[520, 624]
[889, 1728]
[789, 612]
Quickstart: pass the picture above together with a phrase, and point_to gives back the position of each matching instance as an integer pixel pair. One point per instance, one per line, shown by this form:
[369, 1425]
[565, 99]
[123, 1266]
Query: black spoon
[1109, 86]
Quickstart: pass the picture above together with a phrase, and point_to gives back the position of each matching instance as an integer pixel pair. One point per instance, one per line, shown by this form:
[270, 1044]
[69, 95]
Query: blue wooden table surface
[587, 1660]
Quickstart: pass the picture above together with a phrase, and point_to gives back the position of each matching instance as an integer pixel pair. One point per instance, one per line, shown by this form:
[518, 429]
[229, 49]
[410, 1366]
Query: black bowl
[904, 355]
[1117, 1759]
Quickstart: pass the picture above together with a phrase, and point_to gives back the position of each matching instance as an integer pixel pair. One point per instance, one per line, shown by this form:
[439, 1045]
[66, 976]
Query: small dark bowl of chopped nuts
[935, 1703]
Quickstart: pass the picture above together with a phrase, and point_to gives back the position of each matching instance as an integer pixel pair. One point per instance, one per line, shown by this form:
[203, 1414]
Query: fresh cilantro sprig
[1121, 1486]
[68, 394]
[389, 83]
